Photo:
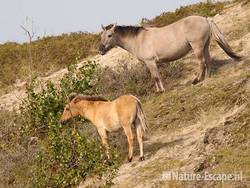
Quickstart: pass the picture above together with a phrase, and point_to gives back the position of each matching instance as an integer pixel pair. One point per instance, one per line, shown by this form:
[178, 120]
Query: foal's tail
[222, 41]
[140, 115]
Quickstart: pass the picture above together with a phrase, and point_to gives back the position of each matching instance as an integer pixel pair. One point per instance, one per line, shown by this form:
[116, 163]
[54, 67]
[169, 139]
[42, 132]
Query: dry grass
[202, 9]
[113, 83]
[48, 55]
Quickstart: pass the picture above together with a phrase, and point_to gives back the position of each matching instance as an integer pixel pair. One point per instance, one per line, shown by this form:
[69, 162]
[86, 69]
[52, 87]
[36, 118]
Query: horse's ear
[103, 28]
[114, 25]
[71, 96]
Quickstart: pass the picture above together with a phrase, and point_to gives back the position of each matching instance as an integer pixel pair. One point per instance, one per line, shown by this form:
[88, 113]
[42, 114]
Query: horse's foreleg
[155, 75]
[129, 134]
[104, 138]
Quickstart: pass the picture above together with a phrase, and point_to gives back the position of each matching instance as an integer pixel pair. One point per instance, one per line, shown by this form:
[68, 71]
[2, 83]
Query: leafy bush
[65, 155]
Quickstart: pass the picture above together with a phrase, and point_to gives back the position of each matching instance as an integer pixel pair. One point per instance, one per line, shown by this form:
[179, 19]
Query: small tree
[31, 34]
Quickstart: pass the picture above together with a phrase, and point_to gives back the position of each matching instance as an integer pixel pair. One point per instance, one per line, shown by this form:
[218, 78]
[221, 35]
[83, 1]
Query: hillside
[192, 128]
[43, 56]
[203, 128]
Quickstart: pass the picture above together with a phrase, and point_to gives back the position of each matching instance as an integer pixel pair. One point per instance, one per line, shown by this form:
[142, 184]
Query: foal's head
[78, 105]
[71, 110]
[108, 39]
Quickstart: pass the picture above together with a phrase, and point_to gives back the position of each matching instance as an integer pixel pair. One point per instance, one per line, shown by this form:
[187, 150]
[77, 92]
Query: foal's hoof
[130, 159]
[108, 161]
[142, 158]
[162, 91]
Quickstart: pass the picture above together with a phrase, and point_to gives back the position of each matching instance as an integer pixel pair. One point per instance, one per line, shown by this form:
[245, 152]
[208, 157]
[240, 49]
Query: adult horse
[164, 44]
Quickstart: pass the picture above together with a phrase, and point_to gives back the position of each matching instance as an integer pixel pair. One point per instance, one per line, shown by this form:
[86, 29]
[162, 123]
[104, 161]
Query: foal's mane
[126, 30]
[86, 97]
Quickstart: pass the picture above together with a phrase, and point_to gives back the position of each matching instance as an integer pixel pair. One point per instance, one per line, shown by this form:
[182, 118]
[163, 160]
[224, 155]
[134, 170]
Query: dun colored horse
[125, 111]
[164, 44]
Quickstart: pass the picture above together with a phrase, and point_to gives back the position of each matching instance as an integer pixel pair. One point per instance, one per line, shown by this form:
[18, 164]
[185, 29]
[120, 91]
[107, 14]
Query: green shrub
[65, 155]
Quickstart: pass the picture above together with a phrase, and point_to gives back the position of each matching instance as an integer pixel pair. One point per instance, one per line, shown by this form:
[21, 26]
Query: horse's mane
[86, 97]
[126, 30]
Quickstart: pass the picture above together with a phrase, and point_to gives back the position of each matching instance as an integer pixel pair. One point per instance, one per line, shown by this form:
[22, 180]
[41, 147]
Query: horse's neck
[129, 43]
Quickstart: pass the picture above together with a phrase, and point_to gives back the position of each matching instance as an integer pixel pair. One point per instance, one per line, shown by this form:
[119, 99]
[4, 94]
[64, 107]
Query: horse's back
[195, 27]
[171, 42]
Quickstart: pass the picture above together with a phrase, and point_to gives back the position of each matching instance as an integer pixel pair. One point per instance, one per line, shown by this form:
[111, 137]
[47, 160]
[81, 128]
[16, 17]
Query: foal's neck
[86, 110]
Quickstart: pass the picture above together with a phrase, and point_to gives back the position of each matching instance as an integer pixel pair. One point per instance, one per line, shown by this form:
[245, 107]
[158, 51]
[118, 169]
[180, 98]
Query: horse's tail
[220, 39]
[140, 114]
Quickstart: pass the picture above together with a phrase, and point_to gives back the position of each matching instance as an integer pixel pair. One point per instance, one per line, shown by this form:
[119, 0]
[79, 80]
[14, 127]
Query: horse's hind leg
[129, 134]
[155, 75]
[208, 59]
[139, 133]
[199, 52]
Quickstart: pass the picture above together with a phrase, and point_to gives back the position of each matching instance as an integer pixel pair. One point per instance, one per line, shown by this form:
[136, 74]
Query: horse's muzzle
[102, 49]
[63, 122]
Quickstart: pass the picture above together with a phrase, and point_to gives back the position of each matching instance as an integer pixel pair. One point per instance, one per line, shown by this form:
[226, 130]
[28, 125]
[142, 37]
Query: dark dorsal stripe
[91, 98]
[86, 97]
[126, 30]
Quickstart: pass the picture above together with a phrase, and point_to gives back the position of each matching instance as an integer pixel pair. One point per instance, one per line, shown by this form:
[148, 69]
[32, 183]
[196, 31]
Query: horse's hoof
[142, 158]
[195, 81]
[160, 91]
[130, 159]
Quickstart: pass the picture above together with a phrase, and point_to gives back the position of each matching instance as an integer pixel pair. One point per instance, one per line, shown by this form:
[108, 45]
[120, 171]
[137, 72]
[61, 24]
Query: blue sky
[53, 17]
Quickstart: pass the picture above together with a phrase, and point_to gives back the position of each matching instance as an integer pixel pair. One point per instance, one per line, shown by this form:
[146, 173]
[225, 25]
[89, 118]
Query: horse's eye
[109, 36]
[67, 108]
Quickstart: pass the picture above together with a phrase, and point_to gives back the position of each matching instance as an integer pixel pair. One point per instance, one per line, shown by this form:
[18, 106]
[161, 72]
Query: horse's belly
[172, 54]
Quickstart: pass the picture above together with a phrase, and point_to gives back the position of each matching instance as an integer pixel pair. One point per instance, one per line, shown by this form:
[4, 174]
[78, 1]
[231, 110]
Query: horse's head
[108, 39]
[71, 110]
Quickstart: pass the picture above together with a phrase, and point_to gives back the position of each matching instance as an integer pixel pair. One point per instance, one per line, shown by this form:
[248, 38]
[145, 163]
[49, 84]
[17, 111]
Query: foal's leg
[104, 138]
[129, 134]
[199, 52]
[155, 75]
[139, 133]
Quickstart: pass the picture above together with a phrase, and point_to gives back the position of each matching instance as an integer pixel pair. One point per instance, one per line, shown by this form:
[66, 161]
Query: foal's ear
[71, 96]
[77, 99]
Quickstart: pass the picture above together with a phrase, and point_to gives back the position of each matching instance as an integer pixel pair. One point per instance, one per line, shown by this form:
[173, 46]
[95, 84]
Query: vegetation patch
[63, 155]
[201, 9]
[48, 54]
